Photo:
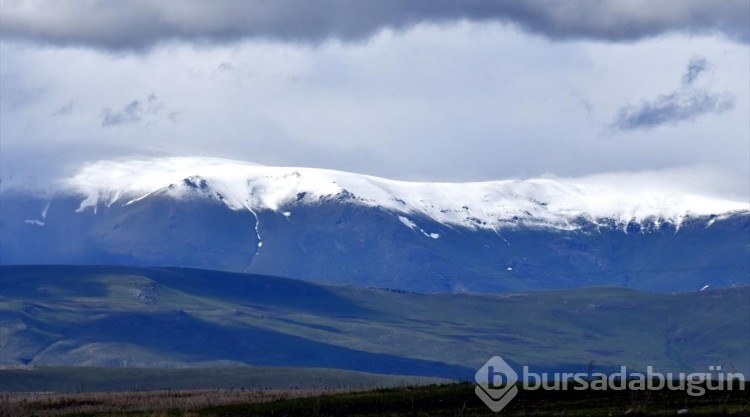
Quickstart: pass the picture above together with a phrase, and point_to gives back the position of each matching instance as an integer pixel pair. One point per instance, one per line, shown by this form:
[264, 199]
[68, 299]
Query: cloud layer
[141, 24]
[437, 101]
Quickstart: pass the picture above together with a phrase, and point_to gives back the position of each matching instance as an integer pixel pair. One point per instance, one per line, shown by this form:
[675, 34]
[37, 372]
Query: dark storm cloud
[140, 24]
[685, 104]
[133, 112]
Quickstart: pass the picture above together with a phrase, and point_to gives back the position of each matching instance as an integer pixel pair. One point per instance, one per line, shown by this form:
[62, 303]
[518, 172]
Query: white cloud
[460, 102]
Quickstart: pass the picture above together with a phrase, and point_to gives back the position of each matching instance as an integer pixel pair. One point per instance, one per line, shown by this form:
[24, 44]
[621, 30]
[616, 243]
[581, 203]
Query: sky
[430, 90]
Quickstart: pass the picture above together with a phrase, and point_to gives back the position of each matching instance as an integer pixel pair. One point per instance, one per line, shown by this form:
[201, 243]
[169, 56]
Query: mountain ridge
[492, 205]
[338, 233]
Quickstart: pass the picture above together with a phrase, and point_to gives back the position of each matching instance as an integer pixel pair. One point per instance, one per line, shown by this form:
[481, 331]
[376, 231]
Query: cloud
[672, 109]
[696, 67]
[440, 103]
[132, 113]
[687, 103]
[141, 24]
[64, 109]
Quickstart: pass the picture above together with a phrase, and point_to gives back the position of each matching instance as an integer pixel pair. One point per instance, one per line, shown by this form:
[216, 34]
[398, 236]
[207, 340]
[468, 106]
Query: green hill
[168, 317]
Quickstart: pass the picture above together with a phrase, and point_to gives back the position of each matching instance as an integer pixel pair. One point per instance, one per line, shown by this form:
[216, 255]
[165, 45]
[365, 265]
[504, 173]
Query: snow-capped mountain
[555, 203]
[336, 226]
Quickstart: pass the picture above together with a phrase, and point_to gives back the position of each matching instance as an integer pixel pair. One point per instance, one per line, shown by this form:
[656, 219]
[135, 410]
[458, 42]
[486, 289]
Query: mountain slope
[165, 317]
[330, 226]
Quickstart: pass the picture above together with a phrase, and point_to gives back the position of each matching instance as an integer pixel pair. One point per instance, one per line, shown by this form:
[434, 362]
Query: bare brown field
[155, 403]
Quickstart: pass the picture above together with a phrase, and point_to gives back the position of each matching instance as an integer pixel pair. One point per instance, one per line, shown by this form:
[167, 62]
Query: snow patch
[40, 222]
[257, 227]
[413, 226]
[408, 223]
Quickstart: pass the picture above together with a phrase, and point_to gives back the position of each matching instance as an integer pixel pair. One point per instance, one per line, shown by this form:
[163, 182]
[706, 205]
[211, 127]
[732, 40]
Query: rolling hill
[170, 317]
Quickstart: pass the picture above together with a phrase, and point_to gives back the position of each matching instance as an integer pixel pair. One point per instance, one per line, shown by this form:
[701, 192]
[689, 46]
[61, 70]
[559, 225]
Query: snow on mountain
[556, 203]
